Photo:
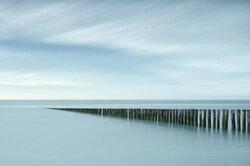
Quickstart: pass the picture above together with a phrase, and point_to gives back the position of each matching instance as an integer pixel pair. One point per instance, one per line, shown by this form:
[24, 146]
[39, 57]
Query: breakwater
[220, 119]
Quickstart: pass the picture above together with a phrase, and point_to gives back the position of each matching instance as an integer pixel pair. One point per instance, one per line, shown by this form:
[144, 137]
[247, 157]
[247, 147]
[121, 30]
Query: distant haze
[145, 49]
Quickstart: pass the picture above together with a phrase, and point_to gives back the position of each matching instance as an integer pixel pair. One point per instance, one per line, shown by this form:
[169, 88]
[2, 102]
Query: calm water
[31, 135]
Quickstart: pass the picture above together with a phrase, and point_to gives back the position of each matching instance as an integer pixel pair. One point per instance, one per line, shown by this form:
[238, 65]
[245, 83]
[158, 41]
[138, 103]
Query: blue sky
[162, 49]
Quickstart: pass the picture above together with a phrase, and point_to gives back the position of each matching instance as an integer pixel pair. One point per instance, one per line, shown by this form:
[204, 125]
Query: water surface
[31, 135]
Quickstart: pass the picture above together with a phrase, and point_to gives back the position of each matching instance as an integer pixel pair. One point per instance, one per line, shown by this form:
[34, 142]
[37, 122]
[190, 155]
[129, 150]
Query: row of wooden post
[240, 119]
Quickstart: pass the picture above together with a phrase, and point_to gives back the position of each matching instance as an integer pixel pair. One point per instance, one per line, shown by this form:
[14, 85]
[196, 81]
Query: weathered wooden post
[167, 116]
[248, 120]
[155, 115]
[200, 114]
[189, 117]
[225, 119]
[177, 116]
[227, 114]
[238, 120]
[106, 112]
[150, 114]
[205, 119]
[233, 119]
[214, 119]
[158, 115]
[192, 117]
[163, 115]
[185, 117]
[170, 116]
[209, 118]
[131, 113]
[244, 121]
[196, 117]
[142, 114]
[135, 113]
[181, 116]
[218, 119]
[174, 116]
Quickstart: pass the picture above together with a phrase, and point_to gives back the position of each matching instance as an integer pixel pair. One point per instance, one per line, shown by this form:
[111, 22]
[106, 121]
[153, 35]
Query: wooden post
[233, 119]
[153, 115]
[205, 119]
[173, 116]
[248, 120]
[163, 115]
[209, 118]
[218, 119]
[181, 117]
[167, 116]
[238, 120]
[158, 115]
[225, 119]
[196, 117]
[170, 115]
[200, 114]
[189, 117]
[185, 117]
[177, 116]
[227, 113]
[142, 114]
[244, 121]
[214, 119]
[131, 112]
[192, 117]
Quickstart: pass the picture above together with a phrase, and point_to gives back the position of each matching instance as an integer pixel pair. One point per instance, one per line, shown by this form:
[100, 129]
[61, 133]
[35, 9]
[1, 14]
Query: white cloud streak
[203, 46]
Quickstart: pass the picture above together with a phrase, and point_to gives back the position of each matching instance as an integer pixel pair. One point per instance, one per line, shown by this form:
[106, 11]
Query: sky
[114, 49]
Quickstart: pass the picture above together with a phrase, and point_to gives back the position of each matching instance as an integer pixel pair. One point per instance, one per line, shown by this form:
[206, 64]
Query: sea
[32, 135]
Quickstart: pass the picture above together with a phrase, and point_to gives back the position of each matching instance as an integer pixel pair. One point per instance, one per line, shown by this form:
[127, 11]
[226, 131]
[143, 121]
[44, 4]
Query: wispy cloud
[37, 80]
[200, 47]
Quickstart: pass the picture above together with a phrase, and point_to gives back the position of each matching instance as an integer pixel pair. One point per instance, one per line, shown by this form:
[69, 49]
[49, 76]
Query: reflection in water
[36, 136]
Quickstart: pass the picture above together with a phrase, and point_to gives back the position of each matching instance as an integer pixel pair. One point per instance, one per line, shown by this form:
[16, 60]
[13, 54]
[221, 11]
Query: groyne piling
[204, 118]
[214, 119]
[233, 119]
[218, 119]
[239, 120]
[244, 121]
[200, 113]
[248, 120]
[209, 119]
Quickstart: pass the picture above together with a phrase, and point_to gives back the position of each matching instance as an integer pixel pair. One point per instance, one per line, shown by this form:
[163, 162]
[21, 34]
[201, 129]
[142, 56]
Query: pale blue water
[31, 135]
